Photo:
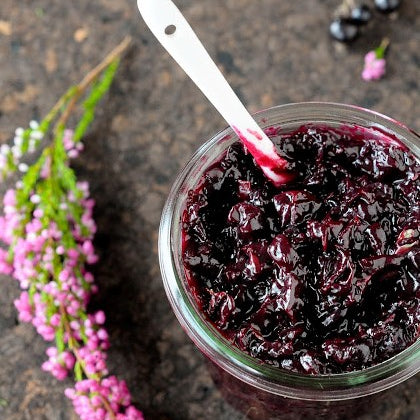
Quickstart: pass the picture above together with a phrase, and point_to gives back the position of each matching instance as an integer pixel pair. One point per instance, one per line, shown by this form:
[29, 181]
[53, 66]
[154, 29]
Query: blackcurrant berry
[361, 14]
[343, 29]
[387, 6]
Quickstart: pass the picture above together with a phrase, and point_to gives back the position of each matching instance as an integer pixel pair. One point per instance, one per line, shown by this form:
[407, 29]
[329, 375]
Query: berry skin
[343, 30]
[361, 15]
[387, 6]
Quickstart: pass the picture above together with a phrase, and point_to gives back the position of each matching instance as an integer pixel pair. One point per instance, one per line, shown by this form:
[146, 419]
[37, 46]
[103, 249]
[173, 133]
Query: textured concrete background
[272, 52]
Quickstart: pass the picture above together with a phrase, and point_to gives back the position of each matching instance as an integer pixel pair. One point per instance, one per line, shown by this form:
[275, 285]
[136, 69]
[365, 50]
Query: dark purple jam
[322, 274]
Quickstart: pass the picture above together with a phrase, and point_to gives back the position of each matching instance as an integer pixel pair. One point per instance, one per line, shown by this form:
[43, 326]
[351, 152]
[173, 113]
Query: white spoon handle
[176, 35]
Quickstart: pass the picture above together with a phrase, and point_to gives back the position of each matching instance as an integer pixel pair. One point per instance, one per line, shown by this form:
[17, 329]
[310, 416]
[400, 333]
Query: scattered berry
[343, 29]
[361, 15]
[387, 6]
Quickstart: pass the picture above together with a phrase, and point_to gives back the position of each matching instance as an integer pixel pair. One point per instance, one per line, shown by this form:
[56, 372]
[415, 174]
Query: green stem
[80, 89]
[381, 50]
[56, 109]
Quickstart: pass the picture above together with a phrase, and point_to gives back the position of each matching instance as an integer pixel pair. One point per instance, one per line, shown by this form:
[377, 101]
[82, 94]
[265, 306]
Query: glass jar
[263, 391]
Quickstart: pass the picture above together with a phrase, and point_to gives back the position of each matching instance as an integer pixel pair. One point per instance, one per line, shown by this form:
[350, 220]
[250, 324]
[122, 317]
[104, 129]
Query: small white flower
[19, 185]
[18, 141]
[31, 236]
[19, 131]
[35, 198]
[63, 206]
[23, 167]
[34, 124]
[37, 135]
[9, 209]
[17, 152]
[4, 149]
[32, 145]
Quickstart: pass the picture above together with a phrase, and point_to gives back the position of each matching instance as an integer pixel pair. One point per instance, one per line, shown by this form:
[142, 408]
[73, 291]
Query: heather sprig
[47, 229]
[375, 63]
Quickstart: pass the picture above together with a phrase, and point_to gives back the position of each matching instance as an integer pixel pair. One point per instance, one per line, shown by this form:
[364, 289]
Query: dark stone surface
[271, 52]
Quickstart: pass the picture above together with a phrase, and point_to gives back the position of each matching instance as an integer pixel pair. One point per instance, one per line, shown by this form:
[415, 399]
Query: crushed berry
[320, 275]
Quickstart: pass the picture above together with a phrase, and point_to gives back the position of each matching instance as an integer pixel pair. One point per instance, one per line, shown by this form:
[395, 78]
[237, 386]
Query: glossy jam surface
[320, 275]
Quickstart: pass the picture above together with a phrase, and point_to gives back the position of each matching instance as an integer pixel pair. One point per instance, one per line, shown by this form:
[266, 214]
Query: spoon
[176, 35]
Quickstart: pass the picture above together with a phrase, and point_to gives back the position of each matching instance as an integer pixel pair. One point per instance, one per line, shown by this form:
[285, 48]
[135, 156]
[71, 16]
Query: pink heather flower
[3, 225]
[70, 393]
[100, 317]
[35, 254]
[73, 153]
[58, 364]
[5, 266]
[68, 359]
[68, 139]
[89, 252]
[133, 414]
[374, 67]
[89, 204]
[89, 277]
[374, 63]
[64, 275]
[73, 254]
[38, 213]
[9, 198]
[73, 149]
[71, 197]
[24, 307]
[88, 395]
[55, 369]
[55, 320]
[46, 332]
[84, 187]
[34, 226]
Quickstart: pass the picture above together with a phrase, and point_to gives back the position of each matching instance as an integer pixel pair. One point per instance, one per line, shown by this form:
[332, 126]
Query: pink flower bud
[9, 198]
[73, 153]
[38, 213]
[51, 352]
[55, 320]
[102, 334]
[100, 317]
[68, 360]
[70, 393]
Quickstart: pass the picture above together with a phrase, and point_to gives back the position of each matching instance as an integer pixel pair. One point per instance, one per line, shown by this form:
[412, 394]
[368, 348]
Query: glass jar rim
[269, 378]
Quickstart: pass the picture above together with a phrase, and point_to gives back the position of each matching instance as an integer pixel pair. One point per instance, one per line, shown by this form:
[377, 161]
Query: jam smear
[320, 275]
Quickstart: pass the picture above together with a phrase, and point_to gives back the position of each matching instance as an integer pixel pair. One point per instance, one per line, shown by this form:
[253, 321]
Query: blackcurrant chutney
[320, 275]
